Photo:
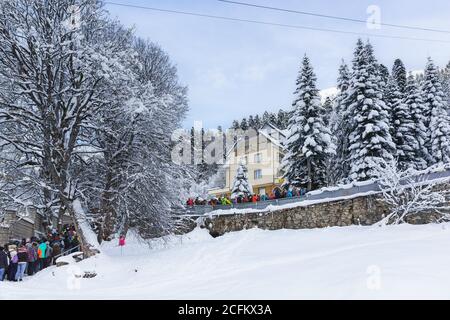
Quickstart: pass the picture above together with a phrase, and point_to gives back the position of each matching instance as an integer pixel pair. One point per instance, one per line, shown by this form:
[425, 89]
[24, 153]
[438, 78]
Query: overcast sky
[234, 69]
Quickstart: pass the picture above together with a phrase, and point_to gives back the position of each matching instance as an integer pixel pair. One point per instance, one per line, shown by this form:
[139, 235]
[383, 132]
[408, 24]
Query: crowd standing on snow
[29, 256]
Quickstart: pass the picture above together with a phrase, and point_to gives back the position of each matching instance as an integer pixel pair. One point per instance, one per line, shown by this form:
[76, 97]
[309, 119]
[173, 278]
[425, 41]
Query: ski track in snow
[329, 263]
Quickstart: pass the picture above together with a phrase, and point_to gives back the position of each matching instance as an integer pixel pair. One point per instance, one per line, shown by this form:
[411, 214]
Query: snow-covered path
[347, 262]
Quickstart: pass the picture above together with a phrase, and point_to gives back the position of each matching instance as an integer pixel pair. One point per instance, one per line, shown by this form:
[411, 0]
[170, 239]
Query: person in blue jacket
[42, 250]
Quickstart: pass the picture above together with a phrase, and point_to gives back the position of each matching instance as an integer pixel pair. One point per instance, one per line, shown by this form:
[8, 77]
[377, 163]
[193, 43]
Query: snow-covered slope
[350, 262]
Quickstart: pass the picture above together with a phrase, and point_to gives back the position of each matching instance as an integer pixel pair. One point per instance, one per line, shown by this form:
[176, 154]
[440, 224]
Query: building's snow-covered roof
[270, 124]
[272, 139]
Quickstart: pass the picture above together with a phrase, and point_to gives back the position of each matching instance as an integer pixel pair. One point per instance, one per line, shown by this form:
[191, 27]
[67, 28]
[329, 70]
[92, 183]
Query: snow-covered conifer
[399, 74]
[328, 110]
[402, 127]
[384, 74]
[244, 124]
[257, 122]
[446, 83]
[414, 104]
[370, 140]
[340, 124]
[241, 185]
[436, 111]
[309, 141]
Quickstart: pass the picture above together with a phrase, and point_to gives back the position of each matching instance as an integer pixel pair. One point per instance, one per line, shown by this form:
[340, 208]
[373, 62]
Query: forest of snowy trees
[86, 112]
[376, 118]
[279, 119]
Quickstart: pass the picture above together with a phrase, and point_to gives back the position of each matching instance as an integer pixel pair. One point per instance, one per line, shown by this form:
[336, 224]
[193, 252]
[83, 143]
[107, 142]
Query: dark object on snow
[89, 274]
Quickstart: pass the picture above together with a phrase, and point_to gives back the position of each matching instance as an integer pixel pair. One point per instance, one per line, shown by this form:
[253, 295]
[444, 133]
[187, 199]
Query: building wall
[20, 225]
[259, 147]
[21, 229]
[4, 235]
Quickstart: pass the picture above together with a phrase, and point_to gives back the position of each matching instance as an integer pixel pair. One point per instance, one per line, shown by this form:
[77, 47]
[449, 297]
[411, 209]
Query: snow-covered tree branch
[408, 193]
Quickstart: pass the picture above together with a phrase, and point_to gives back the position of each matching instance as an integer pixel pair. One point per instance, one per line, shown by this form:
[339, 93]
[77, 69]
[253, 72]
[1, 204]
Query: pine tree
[415, 106]
[327, 109]
[241, 186]
[402, 127]
[436, 109]
[283, 119]
[265, 118]
[384, 73]
[308, 142]
[273, 118]
[399, 74]
[244, 124]
[392, 98]
[251, 122]
[280, 118]
[370, 140]
[446, 83]
[257, 122]
[340, 124]
[235, 125]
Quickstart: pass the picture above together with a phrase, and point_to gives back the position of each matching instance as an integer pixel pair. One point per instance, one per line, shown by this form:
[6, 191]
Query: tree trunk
[84, 245]
[107, 211]
[308, 164]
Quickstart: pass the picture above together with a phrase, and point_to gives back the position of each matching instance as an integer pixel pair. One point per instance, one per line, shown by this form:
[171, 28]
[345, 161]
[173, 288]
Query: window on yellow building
[257, 174]
[280, 157]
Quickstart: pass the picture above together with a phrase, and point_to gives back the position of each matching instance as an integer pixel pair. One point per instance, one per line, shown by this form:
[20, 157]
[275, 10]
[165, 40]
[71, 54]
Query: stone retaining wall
[365, 210]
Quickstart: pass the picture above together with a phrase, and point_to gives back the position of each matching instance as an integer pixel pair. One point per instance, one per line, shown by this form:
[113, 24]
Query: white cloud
[253, 73]
[214, 77]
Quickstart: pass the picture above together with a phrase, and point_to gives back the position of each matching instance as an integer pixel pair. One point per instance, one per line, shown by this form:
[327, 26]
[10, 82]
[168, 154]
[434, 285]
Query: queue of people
[277, 193]
[29, 256]
[214, 201]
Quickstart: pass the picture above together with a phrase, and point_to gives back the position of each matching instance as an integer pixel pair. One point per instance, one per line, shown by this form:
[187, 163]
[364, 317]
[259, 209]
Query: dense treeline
[376, 118]
[280, 119]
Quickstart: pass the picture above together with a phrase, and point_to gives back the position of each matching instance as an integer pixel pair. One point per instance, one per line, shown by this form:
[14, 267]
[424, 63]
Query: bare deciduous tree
[408, 193]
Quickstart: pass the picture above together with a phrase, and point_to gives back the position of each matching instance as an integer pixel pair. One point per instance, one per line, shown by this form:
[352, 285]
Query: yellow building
[261, 152]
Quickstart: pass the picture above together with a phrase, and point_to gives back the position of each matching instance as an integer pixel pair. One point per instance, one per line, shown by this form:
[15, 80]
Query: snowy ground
[347, 262]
